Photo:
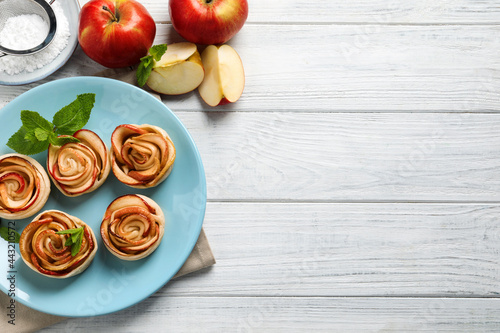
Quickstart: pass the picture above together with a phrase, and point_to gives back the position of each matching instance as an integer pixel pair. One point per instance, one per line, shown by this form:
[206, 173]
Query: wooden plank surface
[358, 11]
[319, 250]
[296, 314]
[349, 157]
[337, 68]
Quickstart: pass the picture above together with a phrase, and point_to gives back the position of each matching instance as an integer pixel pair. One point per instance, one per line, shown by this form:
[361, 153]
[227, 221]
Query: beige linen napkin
[29, 320]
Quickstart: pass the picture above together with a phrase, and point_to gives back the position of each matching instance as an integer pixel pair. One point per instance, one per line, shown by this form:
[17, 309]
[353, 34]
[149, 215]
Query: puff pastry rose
[24, 186]
[79, 167]
[45, 252]
[132, 227]
[142, 156]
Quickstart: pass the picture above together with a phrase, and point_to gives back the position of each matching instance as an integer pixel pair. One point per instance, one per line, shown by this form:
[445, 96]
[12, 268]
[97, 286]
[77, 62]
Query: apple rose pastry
[142, 156]
[54, 246]
[24, 186]
[81, 167]
[132, 227]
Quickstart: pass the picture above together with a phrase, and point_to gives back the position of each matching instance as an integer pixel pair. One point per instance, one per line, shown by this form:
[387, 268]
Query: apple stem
[113, 16]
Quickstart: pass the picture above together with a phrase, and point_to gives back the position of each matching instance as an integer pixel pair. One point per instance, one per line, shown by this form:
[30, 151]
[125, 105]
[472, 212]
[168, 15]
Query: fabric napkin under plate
[28, 320]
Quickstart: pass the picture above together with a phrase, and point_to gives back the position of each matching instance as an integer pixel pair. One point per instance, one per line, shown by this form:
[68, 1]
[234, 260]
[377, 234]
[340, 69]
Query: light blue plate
[109, 284]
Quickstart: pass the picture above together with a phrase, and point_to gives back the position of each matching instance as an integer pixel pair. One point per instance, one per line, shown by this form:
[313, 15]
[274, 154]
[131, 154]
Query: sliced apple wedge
[179, 70]
[224, 75]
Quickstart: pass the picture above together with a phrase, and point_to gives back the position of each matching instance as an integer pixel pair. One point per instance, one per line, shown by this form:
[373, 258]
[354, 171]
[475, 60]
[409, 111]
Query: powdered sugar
[23, 32]
[16, 64]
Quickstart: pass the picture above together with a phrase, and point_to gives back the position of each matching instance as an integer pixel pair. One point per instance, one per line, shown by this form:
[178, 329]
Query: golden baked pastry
[24, 186]
[79, 167]
[142, 156]
[132, 227]
[45, 252]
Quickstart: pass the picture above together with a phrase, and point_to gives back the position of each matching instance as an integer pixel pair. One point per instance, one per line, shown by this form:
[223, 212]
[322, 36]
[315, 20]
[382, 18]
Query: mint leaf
[157, 51]
[69, 231]
[74, 240]
[23, 143]
[29, 135]
[75, 115]
[41, 134]
[147, 63]
[62, 140]
[75, 236]
[4, 233]
[77, 245]
[144, 70]
[33, 120]
[13, 237]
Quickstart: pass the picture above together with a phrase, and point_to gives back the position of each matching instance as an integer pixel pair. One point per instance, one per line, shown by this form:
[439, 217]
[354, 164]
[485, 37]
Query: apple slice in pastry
[24, 186]
[132, 227]
[46, 252]
[81, 167]
[142, 156]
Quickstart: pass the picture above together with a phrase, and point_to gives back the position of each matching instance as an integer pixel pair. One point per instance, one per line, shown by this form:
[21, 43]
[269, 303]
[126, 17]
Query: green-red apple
[208, 21]
[115, 33]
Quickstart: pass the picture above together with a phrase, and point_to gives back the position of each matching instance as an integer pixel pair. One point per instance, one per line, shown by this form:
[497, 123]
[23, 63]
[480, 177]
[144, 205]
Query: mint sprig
[147, 63]
[36, 132]
[74, 240]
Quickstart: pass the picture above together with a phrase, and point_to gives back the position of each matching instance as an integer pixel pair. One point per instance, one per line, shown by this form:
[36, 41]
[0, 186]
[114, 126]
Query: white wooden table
[356, 184]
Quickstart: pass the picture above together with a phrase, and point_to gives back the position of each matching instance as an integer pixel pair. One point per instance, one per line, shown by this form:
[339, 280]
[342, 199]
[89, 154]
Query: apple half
[179, 70]
[224, 75]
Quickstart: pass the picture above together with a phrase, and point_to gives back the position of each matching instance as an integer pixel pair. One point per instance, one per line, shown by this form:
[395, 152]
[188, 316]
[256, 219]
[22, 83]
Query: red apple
[115, 33]
[208, 21]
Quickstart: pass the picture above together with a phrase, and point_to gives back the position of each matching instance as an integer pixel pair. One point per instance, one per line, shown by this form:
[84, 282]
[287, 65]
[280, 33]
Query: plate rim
[194, 237]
